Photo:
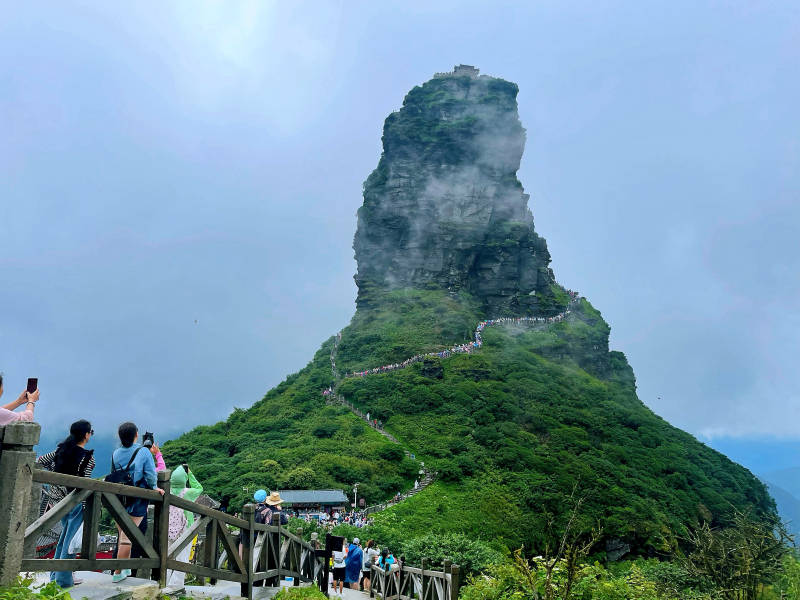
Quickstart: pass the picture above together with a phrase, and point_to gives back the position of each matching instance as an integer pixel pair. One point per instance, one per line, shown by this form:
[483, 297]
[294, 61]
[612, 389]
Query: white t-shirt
[370, 558]
[338, 559]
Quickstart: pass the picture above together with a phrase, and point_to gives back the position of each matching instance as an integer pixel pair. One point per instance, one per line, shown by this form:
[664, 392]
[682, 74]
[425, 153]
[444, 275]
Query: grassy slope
[510, 430]
[291, 439]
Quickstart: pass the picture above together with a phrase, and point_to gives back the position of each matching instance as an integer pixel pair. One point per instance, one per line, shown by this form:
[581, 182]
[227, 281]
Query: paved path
[98, 586]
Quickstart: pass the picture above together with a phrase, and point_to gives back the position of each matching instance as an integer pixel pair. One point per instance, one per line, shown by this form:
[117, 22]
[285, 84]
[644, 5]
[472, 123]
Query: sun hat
[260, 495]
[274, 498]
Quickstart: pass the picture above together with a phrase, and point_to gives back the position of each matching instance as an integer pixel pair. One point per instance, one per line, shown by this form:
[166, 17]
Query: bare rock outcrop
[444, 208]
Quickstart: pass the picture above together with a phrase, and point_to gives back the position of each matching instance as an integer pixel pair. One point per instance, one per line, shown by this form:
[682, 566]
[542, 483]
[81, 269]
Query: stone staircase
[428, 477]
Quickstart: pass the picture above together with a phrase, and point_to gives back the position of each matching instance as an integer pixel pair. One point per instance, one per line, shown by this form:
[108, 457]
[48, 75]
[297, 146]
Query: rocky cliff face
[444, 208]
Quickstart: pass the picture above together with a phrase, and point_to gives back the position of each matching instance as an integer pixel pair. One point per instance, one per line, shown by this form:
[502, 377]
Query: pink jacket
[160, 464]
[9, 416]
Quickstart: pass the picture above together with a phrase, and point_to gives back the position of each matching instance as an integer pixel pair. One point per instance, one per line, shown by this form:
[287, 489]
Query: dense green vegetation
[404, 323]
[292, 440]
[511, 430]
[639, 580]
[643, 579]
[514, 427]
[420, 132]
[21, 590]
[300, 593]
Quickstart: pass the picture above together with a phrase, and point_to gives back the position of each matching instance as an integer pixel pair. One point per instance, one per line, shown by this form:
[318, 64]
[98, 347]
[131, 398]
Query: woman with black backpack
[138, 469]
[71, 458]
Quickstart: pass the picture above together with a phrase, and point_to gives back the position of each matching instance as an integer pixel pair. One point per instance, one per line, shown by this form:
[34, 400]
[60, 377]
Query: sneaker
[117, 577]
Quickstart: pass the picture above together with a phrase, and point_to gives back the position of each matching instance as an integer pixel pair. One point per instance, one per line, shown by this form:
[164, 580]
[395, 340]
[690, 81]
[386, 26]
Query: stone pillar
[36, 499]
[16, 479]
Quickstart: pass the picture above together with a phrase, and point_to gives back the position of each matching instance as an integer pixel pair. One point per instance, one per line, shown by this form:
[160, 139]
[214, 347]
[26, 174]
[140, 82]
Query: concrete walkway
[98, 586]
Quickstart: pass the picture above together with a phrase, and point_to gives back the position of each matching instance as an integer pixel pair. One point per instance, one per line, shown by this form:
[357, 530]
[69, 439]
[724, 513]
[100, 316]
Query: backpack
[177, 520]
[124, 477]
[263, 514]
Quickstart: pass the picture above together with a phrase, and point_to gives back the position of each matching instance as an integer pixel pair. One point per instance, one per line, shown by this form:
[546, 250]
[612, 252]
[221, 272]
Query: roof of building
[336, 497]
[206, 500]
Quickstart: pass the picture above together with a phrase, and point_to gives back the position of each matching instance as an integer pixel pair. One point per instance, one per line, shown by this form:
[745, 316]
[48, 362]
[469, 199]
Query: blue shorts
[138, 508]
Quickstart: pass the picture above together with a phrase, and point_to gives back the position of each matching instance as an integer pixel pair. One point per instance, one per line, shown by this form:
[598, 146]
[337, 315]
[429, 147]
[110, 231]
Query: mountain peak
[444, 208]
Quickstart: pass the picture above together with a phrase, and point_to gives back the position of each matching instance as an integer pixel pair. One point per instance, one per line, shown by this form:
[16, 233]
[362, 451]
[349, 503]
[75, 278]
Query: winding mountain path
[465, 348]
[331, 395]
[428, 476]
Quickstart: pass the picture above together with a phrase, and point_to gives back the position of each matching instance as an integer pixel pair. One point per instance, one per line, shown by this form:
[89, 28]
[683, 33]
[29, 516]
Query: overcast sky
[179, 181]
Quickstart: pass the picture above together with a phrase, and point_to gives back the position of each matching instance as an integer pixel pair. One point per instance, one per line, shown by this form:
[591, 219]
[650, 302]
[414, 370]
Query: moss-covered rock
[444, 208]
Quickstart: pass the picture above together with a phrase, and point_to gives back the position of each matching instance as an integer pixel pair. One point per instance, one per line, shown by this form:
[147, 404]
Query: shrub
[300, 593]
[469, 554]
[391, 452]
[325, 430]
[21, 590]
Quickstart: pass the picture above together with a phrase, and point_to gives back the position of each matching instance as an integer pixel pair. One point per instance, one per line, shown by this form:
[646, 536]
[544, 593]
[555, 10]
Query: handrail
[271, 551]
[409, 583]
[96, 485]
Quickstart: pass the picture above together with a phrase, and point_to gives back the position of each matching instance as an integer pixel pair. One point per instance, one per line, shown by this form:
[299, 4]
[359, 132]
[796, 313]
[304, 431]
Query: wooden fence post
[455, 582]
[298, 557]
[402, 575]
[276, 521]
[16, 478]
[148, 535]
[161, 529]
[446, 570]
[210, 547]
[36, 498]
[425, 580]
[248, 541]
[372, 582]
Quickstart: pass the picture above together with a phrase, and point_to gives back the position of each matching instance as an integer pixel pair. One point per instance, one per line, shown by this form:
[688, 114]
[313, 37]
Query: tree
[741, 558]
[566, 545]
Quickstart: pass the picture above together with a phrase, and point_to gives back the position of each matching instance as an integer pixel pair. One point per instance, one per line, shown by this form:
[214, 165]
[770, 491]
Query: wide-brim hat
[274, 498]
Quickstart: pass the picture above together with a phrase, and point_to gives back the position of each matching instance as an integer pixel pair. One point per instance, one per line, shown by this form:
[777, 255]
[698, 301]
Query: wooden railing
[408, 583]
[269, 552]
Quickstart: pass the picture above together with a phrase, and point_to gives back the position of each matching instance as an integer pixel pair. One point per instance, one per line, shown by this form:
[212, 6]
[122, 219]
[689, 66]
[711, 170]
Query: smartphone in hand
[33, 384]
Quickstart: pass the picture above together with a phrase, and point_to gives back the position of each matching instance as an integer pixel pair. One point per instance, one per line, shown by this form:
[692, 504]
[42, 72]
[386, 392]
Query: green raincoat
[177, 485]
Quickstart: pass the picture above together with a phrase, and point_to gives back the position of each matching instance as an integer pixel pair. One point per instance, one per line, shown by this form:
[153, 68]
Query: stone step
[225, 590]
[98, 586]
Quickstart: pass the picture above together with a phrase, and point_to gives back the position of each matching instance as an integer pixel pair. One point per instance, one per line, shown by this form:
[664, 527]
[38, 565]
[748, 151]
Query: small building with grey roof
[314, 499]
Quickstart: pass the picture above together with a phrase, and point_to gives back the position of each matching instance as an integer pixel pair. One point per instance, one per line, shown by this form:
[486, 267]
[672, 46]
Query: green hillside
[510, 430]
[539, 414]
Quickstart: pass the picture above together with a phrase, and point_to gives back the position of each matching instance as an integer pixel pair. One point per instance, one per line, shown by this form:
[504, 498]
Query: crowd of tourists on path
[329, 521]
[352, 565]
[467, 347]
